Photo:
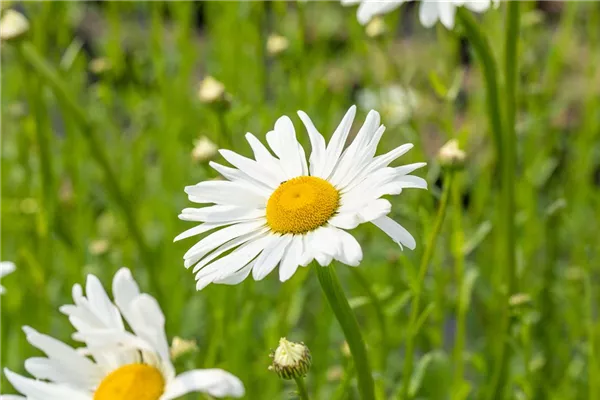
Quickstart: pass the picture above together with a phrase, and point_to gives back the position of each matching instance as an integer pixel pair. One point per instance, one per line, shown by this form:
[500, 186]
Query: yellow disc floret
[133, 381]
[301, 205]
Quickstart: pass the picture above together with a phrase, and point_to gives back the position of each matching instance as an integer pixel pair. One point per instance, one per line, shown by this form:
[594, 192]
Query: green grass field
[97, 147]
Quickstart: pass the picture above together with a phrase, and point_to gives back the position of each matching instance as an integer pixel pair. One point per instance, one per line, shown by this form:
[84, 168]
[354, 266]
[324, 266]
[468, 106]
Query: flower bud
[277, 44]
[211, 91]
[204, 149]
[375, 28]
[180, 346]
[451, 156]
[13, 25]
[290, 360]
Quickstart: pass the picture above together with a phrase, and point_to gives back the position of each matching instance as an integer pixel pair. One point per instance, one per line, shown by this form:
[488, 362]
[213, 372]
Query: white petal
[271, 256]
[350, 252]
[225, 192]
[238, 276]
[447, 11]
[215, 382]
[408, 168]
[221, 236]
[221, 213]
[368, 9]
[428, 13]
[103, 308]
[235, 175]
[39, 390]
[337, 143]
[228, 246]
[317, 142]
[264, 157]
[348, 162]
[235, 260]
[395, 231]
[478, 5]
[291, 259]
[375, 209]
[252, 168]
[345, 220]
[285, 145]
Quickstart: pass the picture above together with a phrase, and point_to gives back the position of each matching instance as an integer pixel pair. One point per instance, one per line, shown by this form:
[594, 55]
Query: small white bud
[181, 346]
[204, 149]
[451, 156]
[13, 25]
[211, 91]
[99, 246]
[277, 44]
[375, 28]
[291, 360]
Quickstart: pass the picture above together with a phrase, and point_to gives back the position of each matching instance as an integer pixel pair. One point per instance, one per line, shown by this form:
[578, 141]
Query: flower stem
[459, 271]
[490, 72]
[507, 210]
[418, 287]
[343, 313]
[302, 392]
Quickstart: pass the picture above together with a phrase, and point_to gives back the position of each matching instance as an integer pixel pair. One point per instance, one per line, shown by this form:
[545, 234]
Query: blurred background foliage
[136, 70]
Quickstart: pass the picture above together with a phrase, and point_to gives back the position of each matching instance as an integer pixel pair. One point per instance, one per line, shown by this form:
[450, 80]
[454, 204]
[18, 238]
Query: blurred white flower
[13, 25]
[6, 267]
[430, 11]
[204, 149]
[212, 91]
[181, 346]
[116, 364]
[395, 102]
[277, 44]
[375, 28]
[283, 210]
[450, 155]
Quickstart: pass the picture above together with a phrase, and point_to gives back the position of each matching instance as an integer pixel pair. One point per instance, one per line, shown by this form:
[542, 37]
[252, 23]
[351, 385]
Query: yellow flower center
[133, 381]
[301, 205]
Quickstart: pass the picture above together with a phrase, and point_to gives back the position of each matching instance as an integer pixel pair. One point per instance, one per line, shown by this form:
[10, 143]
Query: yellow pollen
[133, 381]
[301, 205]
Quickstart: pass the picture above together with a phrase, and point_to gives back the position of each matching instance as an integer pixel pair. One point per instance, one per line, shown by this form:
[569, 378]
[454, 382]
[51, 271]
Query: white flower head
[204, 149]
[116, 364]
[282, 210]
[6, 267]
[430, 11]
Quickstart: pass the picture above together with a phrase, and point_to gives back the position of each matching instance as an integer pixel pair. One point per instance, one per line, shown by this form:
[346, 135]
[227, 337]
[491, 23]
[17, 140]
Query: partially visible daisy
[281, 210]
[116, 364]
[430, 11]
[6, 267]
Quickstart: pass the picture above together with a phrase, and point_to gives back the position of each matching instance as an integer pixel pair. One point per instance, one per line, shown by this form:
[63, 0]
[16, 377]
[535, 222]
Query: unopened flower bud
[211, 91]
[290, 360]
[99, 65]
[181, 346]
[13, 25]
[375, 28]
[204, 149]
[451, 156]
[277, 44]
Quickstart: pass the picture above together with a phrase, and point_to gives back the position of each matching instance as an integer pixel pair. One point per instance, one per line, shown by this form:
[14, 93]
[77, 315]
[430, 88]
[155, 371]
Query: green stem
[490, 72]
[59, 86]
[459, 268]
[302, 392]
[507, 209]
[342, 311]
[418, 287]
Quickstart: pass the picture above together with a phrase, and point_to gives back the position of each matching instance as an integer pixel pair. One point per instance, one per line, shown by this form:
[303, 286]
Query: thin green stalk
[507, 210]
[343, 313]
[302, 392]
[459, 272]
[490, 73]
[51, 77]
[225, 138]
[418, 287]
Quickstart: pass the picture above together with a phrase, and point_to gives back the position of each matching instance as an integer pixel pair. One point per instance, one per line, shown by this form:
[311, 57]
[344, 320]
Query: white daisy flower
[6, 267]
[116, 364]
[283, 210]
[430, 11]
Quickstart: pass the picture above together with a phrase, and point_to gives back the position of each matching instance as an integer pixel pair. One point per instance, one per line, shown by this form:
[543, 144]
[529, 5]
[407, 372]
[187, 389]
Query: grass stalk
[413, 323]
